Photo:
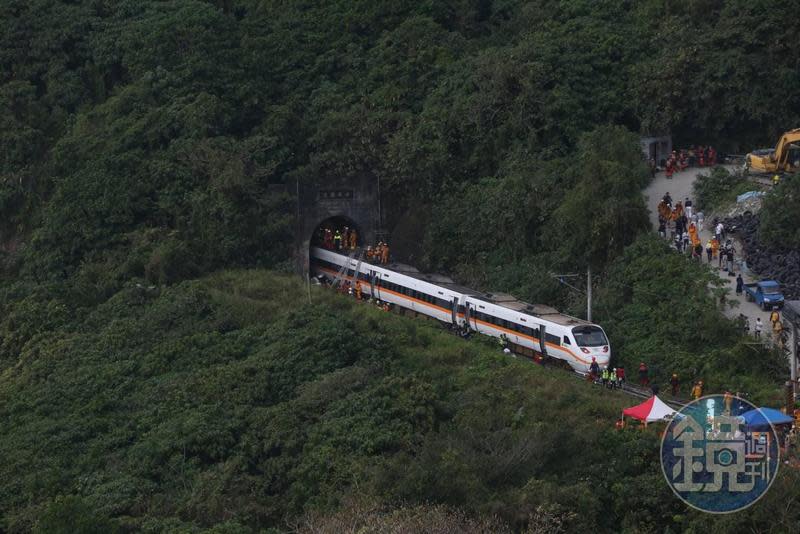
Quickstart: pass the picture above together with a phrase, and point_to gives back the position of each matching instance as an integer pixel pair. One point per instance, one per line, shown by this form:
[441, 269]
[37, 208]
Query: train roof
[500, 299]
[437, 279]
[537, 310]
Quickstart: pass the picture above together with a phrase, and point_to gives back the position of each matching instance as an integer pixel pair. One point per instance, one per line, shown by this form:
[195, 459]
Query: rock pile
[782, 265]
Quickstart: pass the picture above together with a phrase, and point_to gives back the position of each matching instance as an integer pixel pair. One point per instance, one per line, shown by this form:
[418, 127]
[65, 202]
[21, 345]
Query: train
[534, 330]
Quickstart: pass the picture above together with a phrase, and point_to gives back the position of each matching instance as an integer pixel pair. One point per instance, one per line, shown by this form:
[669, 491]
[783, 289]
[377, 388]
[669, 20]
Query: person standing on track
[675, 384]
[643, 378]
[697, 390]
[594, 370]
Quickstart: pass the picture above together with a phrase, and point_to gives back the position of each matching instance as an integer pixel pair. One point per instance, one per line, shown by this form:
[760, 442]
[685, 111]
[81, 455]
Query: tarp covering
[749, 194]
[653, 409]
[761, 418]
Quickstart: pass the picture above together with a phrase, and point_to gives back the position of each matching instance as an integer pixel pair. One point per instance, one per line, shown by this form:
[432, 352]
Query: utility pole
[589, 293]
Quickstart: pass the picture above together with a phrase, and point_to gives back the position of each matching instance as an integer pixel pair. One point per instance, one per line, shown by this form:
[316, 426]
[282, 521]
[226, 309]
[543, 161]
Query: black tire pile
[781, 265]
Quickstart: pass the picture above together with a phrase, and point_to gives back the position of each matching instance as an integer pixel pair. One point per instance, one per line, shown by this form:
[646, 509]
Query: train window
[550, 338]
[566, 341]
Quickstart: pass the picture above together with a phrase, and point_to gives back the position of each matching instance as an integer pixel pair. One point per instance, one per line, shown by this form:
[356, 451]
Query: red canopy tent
[653, 409]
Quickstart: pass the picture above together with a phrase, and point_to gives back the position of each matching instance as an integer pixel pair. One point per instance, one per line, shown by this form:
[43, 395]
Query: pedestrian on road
[777, 330]
[687, 204]
[700, 221]
[774, 317]
[662, 228]
[675, 384]
[678, 243]
[685, 241]
[739, 284]
[730, 252]
[718, 231]
[758, 327]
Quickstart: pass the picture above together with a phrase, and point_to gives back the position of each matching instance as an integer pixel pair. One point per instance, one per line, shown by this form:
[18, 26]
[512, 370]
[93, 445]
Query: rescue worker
[739, 284]
[385, 254]
[604, 376]
[686, 240]
[370, 254]
[714, 247]
[758, 327]
[620, 375]
[612, 376]
[328, 239]
[358, 291]
[346, 237]
[687, 204]
[697, 390]
[774, 317]
[775, 180]
[594, 370]
[662, 228]
[709, 250]
[777, 330]
[675, 384]
[353, 239]
[727, 400]
[643, 378]
[667, 199]
[337, 240]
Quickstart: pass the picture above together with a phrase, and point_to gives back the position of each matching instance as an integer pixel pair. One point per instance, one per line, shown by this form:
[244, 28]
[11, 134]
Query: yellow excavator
[785, 157]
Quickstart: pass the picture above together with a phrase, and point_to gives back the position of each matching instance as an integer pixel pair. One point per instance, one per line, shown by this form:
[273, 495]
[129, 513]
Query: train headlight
[585, 350]
[605, 348]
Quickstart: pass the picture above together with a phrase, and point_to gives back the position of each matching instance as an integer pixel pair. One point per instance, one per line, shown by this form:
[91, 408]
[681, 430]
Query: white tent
[653, 409]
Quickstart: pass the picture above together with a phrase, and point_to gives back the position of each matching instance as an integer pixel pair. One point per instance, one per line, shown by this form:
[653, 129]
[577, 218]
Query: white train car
[531, 329]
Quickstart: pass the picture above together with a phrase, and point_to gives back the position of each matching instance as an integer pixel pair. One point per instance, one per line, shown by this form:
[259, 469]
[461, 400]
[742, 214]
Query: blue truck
[766, 293]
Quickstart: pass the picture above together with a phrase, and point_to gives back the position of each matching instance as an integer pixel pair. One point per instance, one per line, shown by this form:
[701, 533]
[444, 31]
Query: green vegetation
[228, 401]
[155, 377]
[720, 188]
[780, 214]
[657, 308]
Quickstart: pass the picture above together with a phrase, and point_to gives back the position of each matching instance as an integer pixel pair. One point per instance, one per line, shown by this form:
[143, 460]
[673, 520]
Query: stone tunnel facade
[355, 199]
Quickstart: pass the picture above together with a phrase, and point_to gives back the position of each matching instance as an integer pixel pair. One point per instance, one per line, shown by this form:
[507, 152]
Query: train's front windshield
[589, 336]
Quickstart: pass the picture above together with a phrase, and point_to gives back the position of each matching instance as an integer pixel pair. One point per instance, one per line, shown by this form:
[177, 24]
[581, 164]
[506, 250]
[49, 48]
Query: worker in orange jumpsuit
[353, 239]
[385, 254]
[714, 247]
[728, 401]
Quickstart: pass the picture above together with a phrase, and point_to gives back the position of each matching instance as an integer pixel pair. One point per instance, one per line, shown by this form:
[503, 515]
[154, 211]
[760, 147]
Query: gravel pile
[782, 265]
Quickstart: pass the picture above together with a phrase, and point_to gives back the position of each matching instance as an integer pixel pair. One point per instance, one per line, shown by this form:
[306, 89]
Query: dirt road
[680, 187]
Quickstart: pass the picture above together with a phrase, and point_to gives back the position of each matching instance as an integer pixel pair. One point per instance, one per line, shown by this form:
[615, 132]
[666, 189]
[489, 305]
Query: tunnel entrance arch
[336, 202]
